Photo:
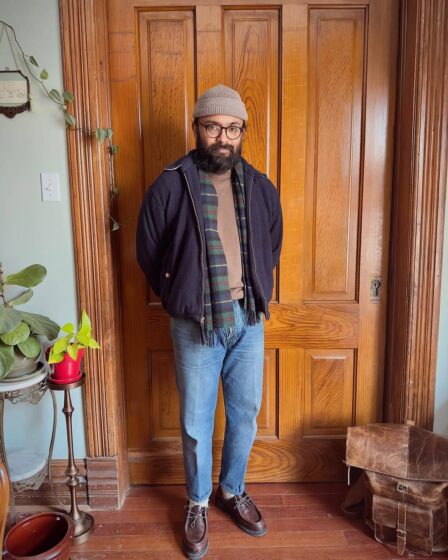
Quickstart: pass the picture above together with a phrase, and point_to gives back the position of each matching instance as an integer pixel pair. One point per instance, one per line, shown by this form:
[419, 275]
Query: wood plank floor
[304, 522]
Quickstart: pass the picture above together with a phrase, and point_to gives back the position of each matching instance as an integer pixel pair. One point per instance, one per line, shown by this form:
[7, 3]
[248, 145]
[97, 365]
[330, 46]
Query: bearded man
[208, 238]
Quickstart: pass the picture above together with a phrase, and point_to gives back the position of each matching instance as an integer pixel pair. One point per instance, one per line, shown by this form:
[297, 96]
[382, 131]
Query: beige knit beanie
[220, 100]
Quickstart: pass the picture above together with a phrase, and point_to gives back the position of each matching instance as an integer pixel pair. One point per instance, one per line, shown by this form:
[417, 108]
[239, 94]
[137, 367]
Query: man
[209, 235]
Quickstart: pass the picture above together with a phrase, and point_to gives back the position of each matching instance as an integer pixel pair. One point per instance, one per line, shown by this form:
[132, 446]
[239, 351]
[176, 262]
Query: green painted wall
[32, 231]
[441, 404]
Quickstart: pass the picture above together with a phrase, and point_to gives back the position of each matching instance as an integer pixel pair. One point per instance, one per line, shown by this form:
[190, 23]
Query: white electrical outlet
[49, 183]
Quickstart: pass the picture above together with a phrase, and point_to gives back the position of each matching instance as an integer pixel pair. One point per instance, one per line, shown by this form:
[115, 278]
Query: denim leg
[242, 381]
[198, 369]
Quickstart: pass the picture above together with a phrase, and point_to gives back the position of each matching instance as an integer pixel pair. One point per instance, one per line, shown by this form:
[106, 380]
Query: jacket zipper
[202, 247]
[252, 249]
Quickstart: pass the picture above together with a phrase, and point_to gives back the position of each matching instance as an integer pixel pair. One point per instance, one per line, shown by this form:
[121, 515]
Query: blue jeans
[238, 360]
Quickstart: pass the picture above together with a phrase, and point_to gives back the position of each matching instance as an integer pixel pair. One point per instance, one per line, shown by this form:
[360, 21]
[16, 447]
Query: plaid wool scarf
[218, 310]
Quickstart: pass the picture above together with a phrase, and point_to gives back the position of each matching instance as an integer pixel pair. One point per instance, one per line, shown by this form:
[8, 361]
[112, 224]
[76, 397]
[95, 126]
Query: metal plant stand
[84, 522]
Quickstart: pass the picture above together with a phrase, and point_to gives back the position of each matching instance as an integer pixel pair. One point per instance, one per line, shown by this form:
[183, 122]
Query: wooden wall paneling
[165, 407]
[209, 47]
[420, 179]
[129, 176]
[328, 392]
[85, 63]
[334, 128]
[294, 98]
[378, 131]
[252, 53]
[165, 72]
[168, 80]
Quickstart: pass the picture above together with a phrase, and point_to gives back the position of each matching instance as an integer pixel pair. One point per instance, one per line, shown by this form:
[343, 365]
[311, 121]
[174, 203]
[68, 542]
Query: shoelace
[241, 501]
[195, 515]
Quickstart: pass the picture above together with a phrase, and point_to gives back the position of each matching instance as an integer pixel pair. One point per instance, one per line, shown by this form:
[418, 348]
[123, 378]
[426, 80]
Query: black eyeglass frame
[221, 128]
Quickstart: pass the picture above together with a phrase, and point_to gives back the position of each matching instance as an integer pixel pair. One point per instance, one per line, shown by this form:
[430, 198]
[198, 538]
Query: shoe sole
[197, 555]
[223, 508]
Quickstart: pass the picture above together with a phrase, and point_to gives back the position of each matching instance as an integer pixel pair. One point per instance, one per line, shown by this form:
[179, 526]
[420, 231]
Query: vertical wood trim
[84, 54]
[418, 212]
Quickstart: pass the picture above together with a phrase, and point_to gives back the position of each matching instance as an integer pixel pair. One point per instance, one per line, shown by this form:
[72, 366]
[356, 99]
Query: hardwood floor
[304, 522]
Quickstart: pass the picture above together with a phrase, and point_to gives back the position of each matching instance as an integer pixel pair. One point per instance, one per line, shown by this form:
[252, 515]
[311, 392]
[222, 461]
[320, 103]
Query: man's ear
[194, 128]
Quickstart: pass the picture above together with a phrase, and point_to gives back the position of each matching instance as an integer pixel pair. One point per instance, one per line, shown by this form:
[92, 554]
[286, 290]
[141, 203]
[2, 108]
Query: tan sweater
[228, 232]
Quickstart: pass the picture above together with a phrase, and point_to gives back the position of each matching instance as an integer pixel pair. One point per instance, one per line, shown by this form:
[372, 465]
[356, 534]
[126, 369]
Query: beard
[211, 161]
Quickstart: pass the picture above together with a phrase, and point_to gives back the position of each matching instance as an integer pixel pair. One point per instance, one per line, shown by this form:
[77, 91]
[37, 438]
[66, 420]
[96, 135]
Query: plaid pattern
[218, 305]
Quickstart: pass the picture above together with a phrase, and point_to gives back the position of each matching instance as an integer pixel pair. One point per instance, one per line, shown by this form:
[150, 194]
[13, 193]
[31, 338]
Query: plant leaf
[60, 345]
[9, 319]
[23, 298]
[30, 347]
[72, 350]
[100, 134]
[85, 321]
[39, 324]
[68, 96]
[33, 61]
[19, 334]
[115, 225]
[7, 360]
[54, 358]
[70, 119]
[108, 133]
[55, 95]
[69, 328]
[94, 344]
[114, 149]
[28, 277]
[44, 74]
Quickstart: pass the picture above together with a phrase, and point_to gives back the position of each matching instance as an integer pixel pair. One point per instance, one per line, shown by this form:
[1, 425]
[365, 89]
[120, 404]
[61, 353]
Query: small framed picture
[14, 93]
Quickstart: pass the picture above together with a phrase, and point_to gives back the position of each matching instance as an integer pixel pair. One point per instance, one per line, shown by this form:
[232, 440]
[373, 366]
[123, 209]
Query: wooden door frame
[419, 188]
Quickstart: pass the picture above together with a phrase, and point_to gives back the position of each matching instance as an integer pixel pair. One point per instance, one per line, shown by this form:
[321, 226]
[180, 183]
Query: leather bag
[405, 484]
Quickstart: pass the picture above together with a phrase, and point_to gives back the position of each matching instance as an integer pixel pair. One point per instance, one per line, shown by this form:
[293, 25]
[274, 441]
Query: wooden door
[319, 86]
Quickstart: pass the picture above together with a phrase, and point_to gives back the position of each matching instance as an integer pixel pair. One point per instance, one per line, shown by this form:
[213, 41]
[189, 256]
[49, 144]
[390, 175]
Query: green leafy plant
[19, 329]
[73, 341]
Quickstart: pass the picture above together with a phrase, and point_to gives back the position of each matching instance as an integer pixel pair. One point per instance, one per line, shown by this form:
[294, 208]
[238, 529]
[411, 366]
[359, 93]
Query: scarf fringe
[212, 338]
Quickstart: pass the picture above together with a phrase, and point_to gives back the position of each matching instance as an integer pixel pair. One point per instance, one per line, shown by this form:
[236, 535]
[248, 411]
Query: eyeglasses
[214, 130]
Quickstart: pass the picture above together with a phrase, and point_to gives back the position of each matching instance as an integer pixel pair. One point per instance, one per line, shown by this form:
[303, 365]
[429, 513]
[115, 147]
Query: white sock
[204, 503]
[227, 495]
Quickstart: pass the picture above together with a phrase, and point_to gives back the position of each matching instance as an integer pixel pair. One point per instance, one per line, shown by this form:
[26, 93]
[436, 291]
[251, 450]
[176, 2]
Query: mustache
[219, 146]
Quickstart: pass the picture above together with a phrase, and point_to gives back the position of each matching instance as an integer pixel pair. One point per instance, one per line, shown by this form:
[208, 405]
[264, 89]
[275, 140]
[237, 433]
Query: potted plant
[67, 351]
[19, 346]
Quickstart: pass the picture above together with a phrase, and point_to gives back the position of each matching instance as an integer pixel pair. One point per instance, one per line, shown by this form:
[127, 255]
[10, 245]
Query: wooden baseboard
[98, 486]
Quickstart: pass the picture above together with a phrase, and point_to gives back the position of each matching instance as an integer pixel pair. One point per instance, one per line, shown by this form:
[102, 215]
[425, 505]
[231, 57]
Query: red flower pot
[44, 536]
[68, 370]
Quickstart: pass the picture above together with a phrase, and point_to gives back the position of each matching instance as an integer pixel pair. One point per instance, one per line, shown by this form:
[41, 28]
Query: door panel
[319, 83]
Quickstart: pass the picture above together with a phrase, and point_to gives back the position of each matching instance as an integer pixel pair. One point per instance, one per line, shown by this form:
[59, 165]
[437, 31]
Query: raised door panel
[333, 186]
[251, 47]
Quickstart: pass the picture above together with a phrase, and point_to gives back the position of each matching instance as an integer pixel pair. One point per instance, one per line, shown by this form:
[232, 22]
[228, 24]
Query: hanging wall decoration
[14, 86]
[14, 93]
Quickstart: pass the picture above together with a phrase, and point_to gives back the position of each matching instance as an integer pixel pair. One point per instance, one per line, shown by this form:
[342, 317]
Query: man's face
[217, 155]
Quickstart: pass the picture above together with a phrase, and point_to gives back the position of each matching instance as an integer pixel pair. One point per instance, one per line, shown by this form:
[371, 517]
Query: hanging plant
[63, 99]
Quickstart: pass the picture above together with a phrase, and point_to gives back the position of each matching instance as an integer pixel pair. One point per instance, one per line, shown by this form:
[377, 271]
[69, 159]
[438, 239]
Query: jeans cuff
[232, 490]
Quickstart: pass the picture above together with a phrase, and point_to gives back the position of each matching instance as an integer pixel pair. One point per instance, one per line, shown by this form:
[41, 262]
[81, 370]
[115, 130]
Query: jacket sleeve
[150, 235]
[276, 226]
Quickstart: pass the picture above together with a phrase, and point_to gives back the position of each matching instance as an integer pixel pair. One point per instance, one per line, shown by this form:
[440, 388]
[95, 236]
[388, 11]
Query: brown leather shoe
[195, 537]
[243, 511]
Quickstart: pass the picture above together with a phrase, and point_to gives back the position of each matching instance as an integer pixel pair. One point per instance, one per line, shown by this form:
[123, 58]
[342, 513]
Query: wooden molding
[84, 54]
[98, 486]
[45, 496]
[418, 212]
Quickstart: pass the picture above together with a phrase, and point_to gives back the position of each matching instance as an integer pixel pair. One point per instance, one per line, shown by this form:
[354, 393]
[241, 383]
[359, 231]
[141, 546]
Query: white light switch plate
[49, 183]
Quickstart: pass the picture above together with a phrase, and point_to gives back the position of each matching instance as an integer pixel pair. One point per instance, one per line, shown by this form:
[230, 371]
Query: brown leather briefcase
[406, 484]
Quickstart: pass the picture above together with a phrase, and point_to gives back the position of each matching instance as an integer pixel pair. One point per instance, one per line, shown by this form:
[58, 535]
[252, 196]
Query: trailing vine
[63, 99]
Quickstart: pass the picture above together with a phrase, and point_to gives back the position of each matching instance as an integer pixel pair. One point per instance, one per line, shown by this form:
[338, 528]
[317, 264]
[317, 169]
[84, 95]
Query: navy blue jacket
[171, 238]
